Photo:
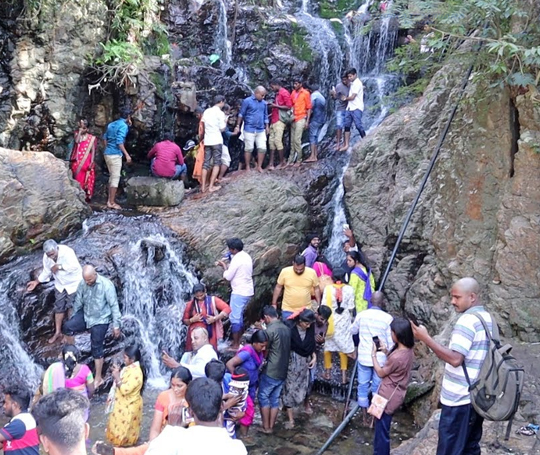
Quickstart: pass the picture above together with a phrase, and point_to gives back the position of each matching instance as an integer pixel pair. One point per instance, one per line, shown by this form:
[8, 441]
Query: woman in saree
[82, 158]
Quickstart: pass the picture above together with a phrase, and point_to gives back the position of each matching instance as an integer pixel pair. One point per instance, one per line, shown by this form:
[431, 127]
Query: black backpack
[496, 393]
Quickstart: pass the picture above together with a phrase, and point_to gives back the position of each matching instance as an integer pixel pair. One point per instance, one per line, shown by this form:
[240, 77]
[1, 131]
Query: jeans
[179, 170]
[381, 442]
[366, 376]
[269, 391]
[340, 119]
[238, 305]
[314, 130]
[77, 324]
[356, 118]
[460, 431]
[285, 314]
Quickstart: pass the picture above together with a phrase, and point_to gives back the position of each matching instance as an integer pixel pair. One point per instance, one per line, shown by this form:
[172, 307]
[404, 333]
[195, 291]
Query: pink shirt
[240, 274]
[168, 155]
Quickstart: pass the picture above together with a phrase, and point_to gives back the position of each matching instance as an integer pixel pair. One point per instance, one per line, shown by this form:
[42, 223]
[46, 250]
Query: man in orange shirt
[302, 111]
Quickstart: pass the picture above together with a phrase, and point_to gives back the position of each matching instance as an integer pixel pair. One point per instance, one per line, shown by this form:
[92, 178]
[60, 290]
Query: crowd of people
[260, 126]
[317, 309]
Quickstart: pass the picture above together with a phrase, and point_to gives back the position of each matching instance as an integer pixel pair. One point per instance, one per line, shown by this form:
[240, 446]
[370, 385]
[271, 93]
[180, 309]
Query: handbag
[286, 116]
[378, 404]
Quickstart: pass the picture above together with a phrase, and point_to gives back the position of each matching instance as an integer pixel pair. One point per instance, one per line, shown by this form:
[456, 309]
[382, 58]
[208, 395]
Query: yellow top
[297, 288]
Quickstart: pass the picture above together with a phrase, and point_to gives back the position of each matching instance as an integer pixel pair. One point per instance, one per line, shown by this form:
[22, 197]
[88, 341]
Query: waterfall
[221, 42]
[144, 260]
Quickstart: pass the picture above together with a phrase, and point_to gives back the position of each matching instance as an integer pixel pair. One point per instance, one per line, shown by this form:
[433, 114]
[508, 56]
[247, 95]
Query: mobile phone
[186, 415]
[377, 343]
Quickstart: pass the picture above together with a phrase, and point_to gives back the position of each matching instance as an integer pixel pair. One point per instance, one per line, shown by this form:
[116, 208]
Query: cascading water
[222, 43]
[144, 260]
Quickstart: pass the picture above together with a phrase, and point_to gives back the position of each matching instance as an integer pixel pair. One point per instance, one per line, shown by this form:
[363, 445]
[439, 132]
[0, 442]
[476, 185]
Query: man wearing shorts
[60, 262]
[283, 103]
[213, 123]
[355, 108]
[318, 117]
[254, 116]
[341, 91]
[115, 138]
[95, 307]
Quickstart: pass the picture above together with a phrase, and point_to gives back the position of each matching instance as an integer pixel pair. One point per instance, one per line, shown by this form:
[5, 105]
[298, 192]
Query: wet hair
[259, 336]
[306, 315]
[218, 99]
[199, 287]
[351, 71]
[49, 246]
[183, 374]
[204, 398]
[70, 357]
[168, 136]
[235, 244]
[403, 330]
[358, 256]
[19, 395]
[134, 353]
[215, 370]
[61, 417]
[324, 311]
[299, 260]
[269, 311]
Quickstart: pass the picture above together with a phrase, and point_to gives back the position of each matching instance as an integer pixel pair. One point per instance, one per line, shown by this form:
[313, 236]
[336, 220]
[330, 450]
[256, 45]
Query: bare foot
[343, 149]
[225, 179]
[265, 430]
[289, 425]
[260, 169]
[55, 337]
[213, 189]
[114, 206]
[308, 410]
[270, 168]
[311, 160]
[282, 166]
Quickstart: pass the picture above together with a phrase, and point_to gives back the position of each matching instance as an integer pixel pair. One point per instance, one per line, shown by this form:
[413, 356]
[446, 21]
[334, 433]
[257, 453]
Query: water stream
[221, 42]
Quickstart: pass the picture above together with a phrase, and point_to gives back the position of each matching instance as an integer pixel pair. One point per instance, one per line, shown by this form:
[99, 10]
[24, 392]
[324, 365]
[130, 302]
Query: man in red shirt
[282, 103]
[167, 159]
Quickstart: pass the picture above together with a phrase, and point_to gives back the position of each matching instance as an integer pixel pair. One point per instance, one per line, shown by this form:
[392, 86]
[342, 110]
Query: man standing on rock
[240, 273]
[95, 307]
[460, 427]
[318, 118]
[213, 124]
[254, 116]
[302, 112]
[340, 92]
[355, 108]
[167, 160]
[60, 262]
[298, 282]
[280, 107]
[114, 139]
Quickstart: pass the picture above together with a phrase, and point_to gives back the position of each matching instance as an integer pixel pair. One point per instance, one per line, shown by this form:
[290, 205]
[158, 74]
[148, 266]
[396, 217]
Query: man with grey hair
[254, 116]
[95, 307]
[60, 262]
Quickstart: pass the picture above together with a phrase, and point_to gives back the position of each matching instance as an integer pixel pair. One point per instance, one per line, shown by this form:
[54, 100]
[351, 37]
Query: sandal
[526, 431]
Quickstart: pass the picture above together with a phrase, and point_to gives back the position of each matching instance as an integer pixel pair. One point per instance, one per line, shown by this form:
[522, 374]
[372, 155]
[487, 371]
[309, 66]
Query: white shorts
[114, 164]
[225, 156]
[255, 139]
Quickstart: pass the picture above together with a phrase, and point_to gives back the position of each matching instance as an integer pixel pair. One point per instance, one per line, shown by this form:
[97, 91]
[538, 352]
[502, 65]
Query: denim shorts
[314, 130]
[340, 119]
[269, 391]
[238, 304]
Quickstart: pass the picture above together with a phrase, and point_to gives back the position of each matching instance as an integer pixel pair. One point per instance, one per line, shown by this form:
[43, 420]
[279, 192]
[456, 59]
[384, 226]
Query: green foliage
[499, 36]
[300, 46]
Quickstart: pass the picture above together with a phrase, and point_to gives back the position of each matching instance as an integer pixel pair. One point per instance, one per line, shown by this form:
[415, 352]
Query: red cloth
[283, 98]
[167, 155]
[82, 163]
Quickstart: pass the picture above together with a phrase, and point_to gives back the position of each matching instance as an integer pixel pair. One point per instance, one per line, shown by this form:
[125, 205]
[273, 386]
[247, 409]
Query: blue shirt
[318, 108]
[255, 115]
[115, 135]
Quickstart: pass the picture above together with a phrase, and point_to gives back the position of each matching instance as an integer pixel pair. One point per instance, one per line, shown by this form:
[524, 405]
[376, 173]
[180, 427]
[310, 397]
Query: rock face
[39, 200]
[155, 192]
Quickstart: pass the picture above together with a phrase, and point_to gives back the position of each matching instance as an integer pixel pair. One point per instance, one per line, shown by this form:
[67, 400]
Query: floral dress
[124, 423]
[339, 339]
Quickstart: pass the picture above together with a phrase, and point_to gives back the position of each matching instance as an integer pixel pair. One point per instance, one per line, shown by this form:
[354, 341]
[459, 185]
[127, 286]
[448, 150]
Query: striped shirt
[370, 323]
[20, 435]
[468, 338]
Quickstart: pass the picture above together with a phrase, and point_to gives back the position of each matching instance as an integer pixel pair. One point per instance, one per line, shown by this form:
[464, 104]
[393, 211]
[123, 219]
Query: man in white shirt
[373, 322]
[60, 262]
[213, 123]
[355, 108]
[195, 360]
[240, 273]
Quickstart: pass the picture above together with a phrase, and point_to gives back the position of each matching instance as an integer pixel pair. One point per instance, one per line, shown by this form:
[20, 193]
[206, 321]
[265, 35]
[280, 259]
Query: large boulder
[39, 200]
[154, 191]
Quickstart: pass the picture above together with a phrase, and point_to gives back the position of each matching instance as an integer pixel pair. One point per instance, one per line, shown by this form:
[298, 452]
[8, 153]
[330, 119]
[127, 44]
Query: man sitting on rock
[60, 262]
[167, 159]
[95, 307]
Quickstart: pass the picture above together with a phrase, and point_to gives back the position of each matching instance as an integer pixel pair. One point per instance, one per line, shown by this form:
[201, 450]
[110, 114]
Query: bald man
[195, 361]
[460, 427]
[95, 307]
[254, 116]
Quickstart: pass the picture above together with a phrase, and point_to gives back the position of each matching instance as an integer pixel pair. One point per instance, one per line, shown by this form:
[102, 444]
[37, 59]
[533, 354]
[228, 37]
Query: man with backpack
[460, 426]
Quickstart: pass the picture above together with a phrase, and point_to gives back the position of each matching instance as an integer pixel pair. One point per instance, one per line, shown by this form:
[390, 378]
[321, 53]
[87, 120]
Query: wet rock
[39, 200]
[154, 191]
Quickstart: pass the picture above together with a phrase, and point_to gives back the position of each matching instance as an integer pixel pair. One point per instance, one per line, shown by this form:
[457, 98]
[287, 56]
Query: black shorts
[63, 301]
[77, 324]
[212, 152]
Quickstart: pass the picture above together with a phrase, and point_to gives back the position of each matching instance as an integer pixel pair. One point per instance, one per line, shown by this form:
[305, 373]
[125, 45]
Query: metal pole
[349, 392]
[339, 429]
[434, 157]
